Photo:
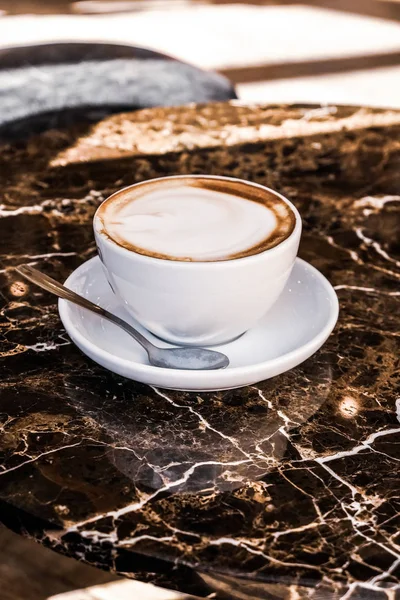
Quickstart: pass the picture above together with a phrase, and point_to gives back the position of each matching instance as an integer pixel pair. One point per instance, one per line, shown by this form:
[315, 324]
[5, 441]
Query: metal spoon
[168, 358]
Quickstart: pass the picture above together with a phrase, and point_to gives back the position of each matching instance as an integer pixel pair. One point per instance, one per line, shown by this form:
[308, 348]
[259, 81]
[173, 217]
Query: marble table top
[288, 489]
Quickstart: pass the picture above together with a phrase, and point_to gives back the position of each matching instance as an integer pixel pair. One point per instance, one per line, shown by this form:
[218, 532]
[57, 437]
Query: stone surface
[288, 489]
[29, 571]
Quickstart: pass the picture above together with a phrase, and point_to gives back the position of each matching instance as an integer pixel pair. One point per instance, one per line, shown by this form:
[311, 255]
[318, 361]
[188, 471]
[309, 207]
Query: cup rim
[197, 264]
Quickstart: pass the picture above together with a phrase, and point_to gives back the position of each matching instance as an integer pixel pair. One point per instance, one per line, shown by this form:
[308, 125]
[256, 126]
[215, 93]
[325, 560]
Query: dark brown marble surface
[289, 489]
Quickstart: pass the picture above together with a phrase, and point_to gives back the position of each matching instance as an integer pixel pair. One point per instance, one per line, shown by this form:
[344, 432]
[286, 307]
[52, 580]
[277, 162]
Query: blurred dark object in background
[54, 85]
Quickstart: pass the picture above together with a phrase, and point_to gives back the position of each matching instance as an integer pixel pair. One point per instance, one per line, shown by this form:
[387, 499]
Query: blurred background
[343, 51]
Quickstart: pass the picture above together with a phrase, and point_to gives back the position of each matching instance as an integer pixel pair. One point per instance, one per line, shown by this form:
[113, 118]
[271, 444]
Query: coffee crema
[196, 219]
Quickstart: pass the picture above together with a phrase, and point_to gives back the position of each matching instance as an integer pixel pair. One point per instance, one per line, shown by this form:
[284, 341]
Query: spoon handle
[54, 287]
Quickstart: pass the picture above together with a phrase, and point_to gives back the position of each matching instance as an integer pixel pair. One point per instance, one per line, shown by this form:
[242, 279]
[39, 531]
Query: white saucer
[291, 332]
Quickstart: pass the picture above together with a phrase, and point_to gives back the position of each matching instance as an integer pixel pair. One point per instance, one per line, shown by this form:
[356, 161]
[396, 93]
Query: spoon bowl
[189, 358]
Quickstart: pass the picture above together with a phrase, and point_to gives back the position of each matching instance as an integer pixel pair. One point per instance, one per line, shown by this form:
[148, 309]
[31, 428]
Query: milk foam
[190, 223]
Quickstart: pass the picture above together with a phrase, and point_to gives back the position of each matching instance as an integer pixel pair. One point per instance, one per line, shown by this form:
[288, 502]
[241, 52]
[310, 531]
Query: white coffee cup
[198, 303]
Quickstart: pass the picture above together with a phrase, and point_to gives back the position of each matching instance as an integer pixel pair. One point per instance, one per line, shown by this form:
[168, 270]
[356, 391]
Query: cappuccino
[199, 219]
